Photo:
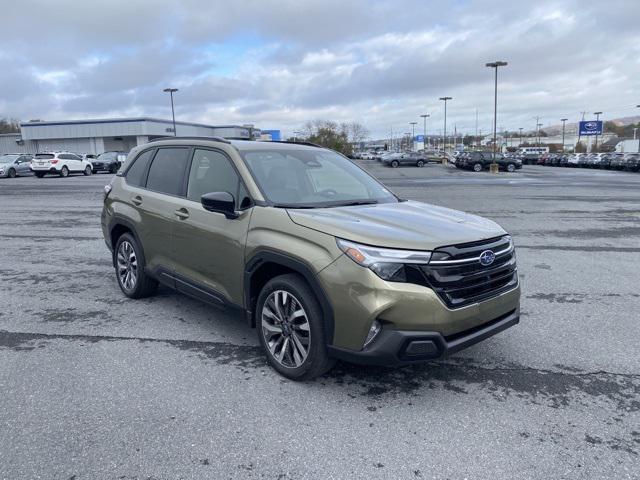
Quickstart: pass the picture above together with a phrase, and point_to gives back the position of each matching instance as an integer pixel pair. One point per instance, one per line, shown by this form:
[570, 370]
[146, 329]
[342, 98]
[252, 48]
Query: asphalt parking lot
[93, 385]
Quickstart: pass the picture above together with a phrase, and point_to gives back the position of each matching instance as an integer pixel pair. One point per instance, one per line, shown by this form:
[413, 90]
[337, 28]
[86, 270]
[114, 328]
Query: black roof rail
[191, 137]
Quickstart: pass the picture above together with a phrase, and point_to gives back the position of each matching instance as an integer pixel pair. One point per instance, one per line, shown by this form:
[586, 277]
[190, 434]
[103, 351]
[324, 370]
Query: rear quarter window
[136, 172]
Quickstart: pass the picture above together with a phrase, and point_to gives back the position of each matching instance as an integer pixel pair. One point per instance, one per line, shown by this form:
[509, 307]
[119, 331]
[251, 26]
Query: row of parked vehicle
[62, 164]
[479, 161]
[608, 161]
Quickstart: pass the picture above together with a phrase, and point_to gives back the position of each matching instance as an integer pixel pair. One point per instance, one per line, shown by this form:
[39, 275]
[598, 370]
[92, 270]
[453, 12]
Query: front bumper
[398, 348]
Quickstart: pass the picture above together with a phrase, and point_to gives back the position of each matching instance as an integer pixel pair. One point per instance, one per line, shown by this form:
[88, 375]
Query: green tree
[329, 134]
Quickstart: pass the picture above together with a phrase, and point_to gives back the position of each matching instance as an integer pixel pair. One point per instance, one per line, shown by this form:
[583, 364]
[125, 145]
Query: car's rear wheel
[394, 164]
[64, 172]
[420, 163]
[291, 329]
[87, 171]
[477, 167]
[129, 264]
[12, 173]
[511, 167]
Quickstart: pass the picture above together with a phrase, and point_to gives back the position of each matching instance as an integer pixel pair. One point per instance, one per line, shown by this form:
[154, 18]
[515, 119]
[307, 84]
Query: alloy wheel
[127, 263]
[286, 329]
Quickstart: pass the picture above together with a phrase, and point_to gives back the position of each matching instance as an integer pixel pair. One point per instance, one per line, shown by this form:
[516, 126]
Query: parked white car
[59, 163]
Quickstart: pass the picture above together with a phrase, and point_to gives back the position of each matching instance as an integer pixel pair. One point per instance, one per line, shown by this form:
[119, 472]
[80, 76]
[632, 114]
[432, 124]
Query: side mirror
[220, 202]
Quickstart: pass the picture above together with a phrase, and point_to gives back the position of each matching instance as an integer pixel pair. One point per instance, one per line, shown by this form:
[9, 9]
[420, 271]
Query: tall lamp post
[495, 66]
[597, 114]
[563, 120]
[424, 117]
[171, 91]
[444, 138]
[520, 128]
[413, 133]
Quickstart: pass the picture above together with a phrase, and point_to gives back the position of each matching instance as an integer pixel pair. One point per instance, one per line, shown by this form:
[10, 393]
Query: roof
[240, 145]
[124, 120]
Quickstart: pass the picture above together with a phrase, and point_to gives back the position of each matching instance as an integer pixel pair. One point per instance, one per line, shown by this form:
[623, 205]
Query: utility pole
[597, 114]
[537, 131]
[444, 138]
[638, 106]
[476, 138]
[424, 117]
[563, 120]
[495, 66]
[520, 128]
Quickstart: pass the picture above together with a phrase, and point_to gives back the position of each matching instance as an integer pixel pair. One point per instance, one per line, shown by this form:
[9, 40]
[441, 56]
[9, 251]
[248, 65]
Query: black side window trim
[235, 169]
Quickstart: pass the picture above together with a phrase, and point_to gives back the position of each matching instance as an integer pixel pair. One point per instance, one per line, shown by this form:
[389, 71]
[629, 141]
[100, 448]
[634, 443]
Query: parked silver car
[15, 164]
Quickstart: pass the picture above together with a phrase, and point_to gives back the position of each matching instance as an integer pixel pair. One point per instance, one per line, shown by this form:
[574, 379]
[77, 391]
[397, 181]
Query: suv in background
[59, 163]
[15, 164]
[478, 161]
[108, 162]
[324, 260]
[410, 158]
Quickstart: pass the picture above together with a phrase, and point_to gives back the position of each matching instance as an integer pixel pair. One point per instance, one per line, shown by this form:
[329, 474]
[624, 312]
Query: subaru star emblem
[487, 257]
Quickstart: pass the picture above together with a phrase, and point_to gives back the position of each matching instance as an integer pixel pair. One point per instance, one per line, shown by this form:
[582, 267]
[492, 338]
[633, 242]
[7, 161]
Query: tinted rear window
[135, 174]
[166, 174]
[45, 155]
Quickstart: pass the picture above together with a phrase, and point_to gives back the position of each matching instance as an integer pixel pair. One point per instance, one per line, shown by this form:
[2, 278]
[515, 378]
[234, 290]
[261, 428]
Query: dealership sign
[591, 128]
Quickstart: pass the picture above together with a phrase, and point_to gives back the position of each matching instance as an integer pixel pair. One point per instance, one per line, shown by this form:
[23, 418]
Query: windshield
[8, 158]
[312, 178]
[108, 156]
[45, 155]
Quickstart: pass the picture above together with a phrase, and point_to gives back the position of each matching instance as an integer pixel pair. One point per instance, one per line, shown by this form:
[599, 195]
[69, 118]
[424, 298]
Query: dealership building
[115, 134]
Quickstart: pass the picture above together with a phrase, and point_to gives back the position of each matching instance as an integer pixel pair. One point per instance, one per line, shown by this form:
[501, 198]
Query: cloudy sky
[280, 63]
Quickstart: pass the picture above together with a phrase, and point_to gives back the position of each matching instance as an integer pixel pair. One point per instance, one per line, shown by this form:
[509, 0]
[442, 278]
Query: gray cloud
[280, 63]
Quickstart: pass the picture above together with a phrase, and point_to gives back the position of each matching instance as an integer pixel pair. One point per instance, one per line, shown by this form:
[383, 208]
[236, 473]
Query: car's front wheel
[129, 263]
[511, 167]
[11, 173]
[87, 171]
[394, 164]
[420, 163]
[291, 329]
[477, 167]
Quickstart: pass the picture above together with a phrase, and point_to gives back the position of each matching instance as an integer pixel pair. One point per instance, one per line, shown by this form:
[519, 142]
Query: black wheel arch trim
[297, 265]
[118, 220]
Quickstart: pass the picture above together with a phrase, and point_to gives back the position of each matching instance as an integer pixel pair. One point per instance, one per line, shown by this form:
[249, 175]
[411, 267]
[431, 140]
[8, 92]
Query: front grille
[458, 277]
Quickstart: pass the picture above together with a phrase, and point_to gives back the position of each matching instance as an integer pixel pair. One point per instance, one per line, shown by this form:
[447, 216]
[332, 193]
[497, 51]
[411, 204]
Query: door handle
[182, 213]
[137, 200]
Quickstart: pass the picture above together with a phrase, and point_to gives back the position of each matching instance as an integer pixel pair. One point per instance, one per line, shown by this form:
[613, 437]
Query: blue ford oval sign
[487, 258]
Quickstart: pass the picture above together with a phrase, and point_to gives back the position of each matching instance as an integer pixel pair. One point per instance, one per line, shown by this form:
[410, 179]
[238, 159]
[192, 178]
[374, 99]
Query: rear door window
[166, 174]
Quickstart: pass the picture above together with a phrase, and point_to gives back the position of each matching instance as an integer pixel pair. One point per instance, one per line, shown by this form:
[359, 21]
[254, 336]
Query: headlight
[387, 263]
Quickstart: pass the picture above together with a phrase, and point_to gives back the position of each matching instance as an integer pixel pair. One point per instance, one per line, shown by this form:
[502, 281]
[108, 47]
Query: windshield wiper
[293, 205]
[357, 202]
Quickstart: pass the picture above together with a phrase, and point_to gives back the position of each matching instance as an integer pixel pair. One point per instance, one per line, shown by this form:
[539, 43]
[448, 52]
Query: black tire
[94, 171]
[12, 173]
[394, 164]
[144, 286]
[477, 167]
[420, 163]
[39, 175]
[511, 167]
[317, 361]
[88, 171]
[64, 172]
[113, 168]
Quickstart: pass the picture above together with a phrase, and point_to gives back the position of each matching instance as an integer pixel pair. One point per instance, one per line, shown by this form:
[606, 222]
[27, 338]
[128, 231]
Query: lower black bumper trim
[402, 347]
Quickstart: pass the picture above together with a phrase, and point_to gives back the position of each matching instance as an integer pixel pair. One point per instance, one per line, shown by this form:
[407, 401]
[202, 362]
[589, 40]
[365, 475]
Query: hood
[409, 225]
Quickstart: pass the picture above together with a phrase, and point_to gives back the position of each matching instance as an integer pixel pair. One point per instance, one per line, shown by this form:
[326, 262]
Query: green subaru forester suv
[324, 260]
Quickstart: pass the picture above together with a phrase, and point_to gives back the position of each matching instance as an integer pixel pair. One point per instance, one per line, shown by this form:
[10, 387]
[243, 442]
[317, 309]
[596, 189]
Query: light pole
[444, 138]
[413, 133]
[538, 125]
[520, 128]
[597, 114]
[424, 117]
[563, 120]
[495, 66]
[638, 106]
[173, 115]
